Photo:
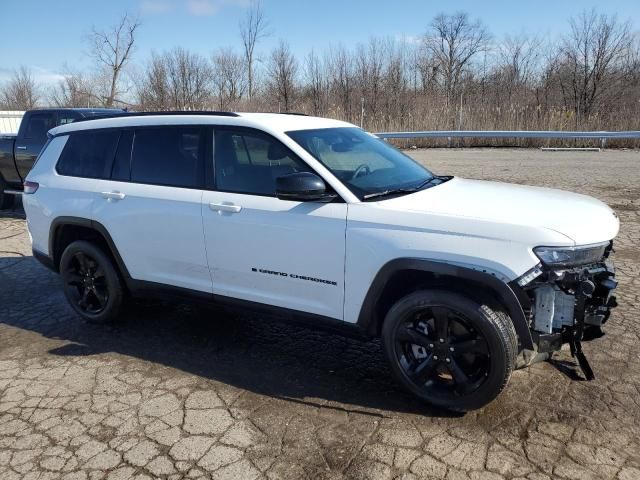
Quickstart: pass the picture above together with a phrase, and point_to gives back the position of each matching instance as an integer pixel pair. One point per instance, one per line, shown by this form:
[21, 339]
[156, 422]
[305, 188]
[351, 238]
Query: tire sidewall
[114, 286]
[473, 312]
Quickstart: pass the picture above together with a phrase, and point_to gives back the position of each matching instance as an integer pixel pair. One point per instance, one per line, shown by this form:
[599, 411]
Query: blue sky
[44, 35]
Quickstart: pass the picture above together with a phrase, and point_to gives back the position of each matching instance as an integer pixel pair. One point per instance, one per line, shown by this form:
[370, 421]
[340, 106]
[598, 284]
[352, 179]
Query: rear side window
[170, 156]
[38, 126]
[66, 117]
[88, 154]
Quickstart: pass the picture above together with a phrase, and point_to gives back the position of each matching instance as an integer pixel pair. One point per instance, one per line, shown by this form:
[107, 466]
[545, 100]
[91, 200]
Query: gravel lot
[171, 393]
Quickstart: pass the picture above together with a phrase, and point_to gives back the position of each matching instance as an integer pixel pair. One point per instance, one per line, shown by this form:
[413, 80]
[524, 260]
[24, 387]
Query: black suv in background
[19, 152]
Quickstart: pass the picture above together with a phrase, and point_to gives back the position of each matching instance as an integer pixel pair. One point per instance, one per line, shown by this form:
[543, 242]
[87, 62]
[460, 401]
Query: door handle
[223, 207]
[113, 195]
[21, 147]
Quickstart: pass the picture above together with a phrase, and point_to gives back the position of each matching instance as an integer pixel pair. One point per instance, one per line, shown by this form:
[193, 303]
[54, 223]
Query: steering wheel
[362, 170]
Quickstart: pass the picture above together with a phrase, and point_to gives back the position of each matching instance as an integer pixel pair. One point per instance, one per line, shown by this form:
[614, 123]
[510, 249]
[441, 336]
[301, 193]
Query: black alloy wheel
[448, 349]
[91, 283]
[87, 284]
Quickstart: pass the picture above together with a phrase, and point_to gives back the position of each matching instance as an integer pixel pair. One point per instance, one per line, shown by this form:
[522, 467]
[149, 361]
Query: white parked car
[314, 219]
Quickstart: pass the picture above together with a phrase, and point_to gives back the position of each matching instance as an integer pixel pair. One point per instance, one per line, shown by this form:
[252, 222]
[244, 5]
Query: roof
[269, 122]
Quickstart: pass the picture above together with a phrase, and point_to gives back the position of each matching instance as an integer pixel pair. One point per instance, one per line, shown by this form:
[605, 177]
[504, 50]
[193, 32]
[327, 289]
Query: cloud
[156, 6]
[202, 8]
[408, 39]
[196, 8]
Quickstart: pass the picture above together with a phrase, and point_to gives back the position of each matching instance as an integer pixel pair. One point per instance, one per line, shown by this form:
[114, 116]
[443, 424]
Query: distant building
[10, 121]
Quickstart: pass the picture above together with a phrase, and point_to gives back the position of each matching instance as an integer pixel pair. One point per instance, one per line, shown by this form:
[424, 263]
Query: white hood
[583, 219]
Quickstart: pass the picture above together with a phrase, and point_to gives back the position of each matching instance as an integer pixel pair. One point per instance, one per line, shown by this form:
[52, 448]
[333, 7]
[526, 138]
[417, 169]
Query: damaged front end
[568, 297]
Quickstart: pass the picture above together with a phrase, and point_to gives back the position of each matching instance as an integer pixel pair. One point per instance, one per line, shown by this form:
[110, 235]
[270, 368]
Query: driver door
[261, 249]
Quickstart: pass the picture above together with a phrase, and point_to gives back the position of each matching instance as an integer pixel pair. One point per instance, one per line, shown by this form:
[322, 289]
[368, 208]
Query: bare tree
[282, 69]
[74, 90]
[518, 61]
[591, 54]
[189, 77]
[252, 29]
[317, 83]
[369, 70]
[176, 80]
[112, 50]
[341, 77]
[153, 89]
[229, 78]
[453, 42]
[21, 92]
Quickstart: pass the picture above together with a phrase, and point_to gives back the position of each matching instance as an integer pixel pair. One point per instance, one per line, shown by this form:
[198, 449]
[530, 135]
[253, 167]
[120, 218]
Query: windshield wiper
[399, 191]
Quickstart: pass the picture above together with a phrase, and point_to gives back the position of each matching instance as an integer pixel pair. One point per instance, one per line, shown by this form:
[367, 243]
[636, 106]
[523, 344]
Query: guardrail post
[603, 142]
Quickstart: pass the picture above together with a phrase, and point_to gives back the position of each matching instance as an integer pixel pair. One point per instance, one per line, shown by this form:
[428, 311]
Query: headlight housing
[571, 256]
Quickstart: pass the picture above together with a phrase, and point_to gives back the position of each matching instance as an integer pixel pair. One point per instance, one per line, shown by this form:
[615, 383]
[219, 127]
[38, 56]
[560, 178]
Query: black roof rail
[146, 114]
[294, 113]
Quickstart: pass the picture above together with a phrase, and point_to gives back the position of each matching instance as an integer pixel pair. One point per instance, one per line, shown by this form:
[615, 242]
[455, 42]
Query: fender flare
[90, 224]
[367, 319]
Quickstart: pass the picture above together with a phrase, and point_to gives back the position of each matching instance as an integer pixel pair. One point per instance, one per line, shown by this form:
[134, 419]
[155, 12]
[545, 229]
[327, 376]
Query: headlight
[571, 256]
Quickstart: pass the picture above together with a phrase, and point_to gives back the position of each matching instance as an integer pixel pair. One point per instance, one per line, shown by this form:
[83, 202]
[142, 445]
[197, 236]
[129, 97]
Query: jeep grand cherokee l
[315, 219]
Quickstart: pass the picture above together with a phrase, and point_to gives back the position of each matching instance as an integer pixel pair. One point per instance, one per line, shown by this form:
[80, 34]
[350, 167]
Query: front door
[261, 249]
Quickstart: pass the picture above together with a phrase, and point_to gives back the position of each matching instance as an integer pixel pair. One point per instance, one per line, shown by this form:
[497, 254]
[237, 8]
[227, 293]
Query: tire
[448, 349]
[91, 283]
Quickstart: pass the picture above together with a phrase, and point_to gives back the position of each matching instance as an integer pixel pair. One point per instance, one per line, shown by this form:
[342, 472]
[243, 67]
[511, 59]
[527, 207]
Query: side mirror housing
[302, 187]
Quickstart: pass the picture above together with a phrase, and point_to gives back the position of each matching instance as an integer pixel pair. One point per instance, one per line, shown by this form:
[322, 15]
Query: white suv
[310, 218]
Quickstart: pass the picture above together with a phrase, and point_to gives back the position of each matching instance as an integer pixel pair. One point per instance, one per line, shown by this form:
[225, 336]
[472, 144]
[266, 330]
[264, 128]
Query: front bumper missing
[571, 306]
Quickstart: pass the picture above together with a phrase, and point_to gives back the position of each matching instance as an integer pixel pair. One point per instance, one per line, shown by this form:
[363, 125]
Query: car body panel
[568, 213]
[57, 196]
[284, 253]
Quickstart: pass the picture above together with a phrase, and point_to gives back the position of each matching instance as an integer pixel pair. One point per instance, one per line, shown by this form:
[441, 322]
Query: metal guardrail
[602, 136]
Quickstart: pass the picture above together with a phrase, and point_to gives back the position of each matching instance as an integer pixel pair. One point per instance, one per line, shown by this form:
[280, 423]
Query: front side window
[170, 156]
[365, 164]
[88, 153]
[250, 162]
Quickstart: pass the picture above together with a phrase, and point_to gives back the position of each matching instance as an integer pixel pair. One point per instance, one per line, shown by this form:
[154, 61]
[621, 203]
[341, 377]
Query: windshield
[363, 162]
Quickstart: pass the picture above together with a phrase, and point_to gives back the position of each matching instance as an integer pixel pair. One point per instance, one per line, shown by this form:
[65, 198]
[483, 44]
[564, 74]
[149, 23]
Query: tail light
[30, 187]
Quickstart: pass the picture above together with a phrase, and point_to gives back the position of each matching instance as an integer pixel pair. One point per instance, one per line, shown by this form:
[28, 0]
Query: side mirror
[302, 187]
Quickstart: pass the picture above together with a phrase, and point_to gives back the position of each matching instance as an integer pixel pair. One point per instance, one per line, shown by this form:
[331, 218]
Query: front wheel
[91, 283]
[448, 349]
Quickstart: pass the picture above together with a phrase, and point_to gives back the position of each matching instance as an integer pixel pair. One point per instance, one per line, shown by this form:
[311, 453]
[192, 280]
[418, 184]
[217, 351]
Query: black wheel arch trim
[368, 321]
[88, 223]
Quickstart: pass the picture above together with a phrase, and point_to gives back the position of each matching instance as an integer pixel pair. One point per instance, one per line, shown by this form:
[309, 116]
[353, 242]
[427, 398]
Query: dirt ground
[170, 393]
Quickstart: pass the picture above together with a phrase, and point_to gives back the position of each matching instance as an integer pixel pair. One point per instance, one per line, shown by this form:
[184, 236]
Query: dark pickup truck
[19, 152]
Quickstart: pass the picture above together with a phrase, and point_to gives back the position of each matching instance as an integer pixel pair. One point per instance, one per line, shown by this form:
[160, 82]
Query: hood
[583, 219]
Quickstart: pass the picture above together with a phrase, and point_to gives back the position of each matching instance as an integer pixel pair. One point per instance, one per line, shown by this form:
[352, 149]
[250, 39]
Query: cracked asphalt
[176, 392]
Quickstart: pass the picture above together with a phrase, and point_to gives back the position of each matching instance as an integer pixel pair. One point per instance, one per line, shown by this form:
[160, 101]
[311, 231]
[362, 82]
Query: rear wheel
[448, 349]
[91, 282]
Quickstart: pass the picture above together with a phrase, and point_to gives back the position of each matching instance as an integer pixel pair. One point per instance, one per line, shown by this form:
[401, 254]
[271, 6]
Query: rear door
[151, 205]
[277, 252]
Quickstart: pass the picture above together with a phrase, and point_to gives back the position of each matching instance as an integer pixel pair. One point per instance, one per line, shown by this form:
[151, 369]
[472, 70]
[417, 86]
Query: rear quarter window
[88, 154]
